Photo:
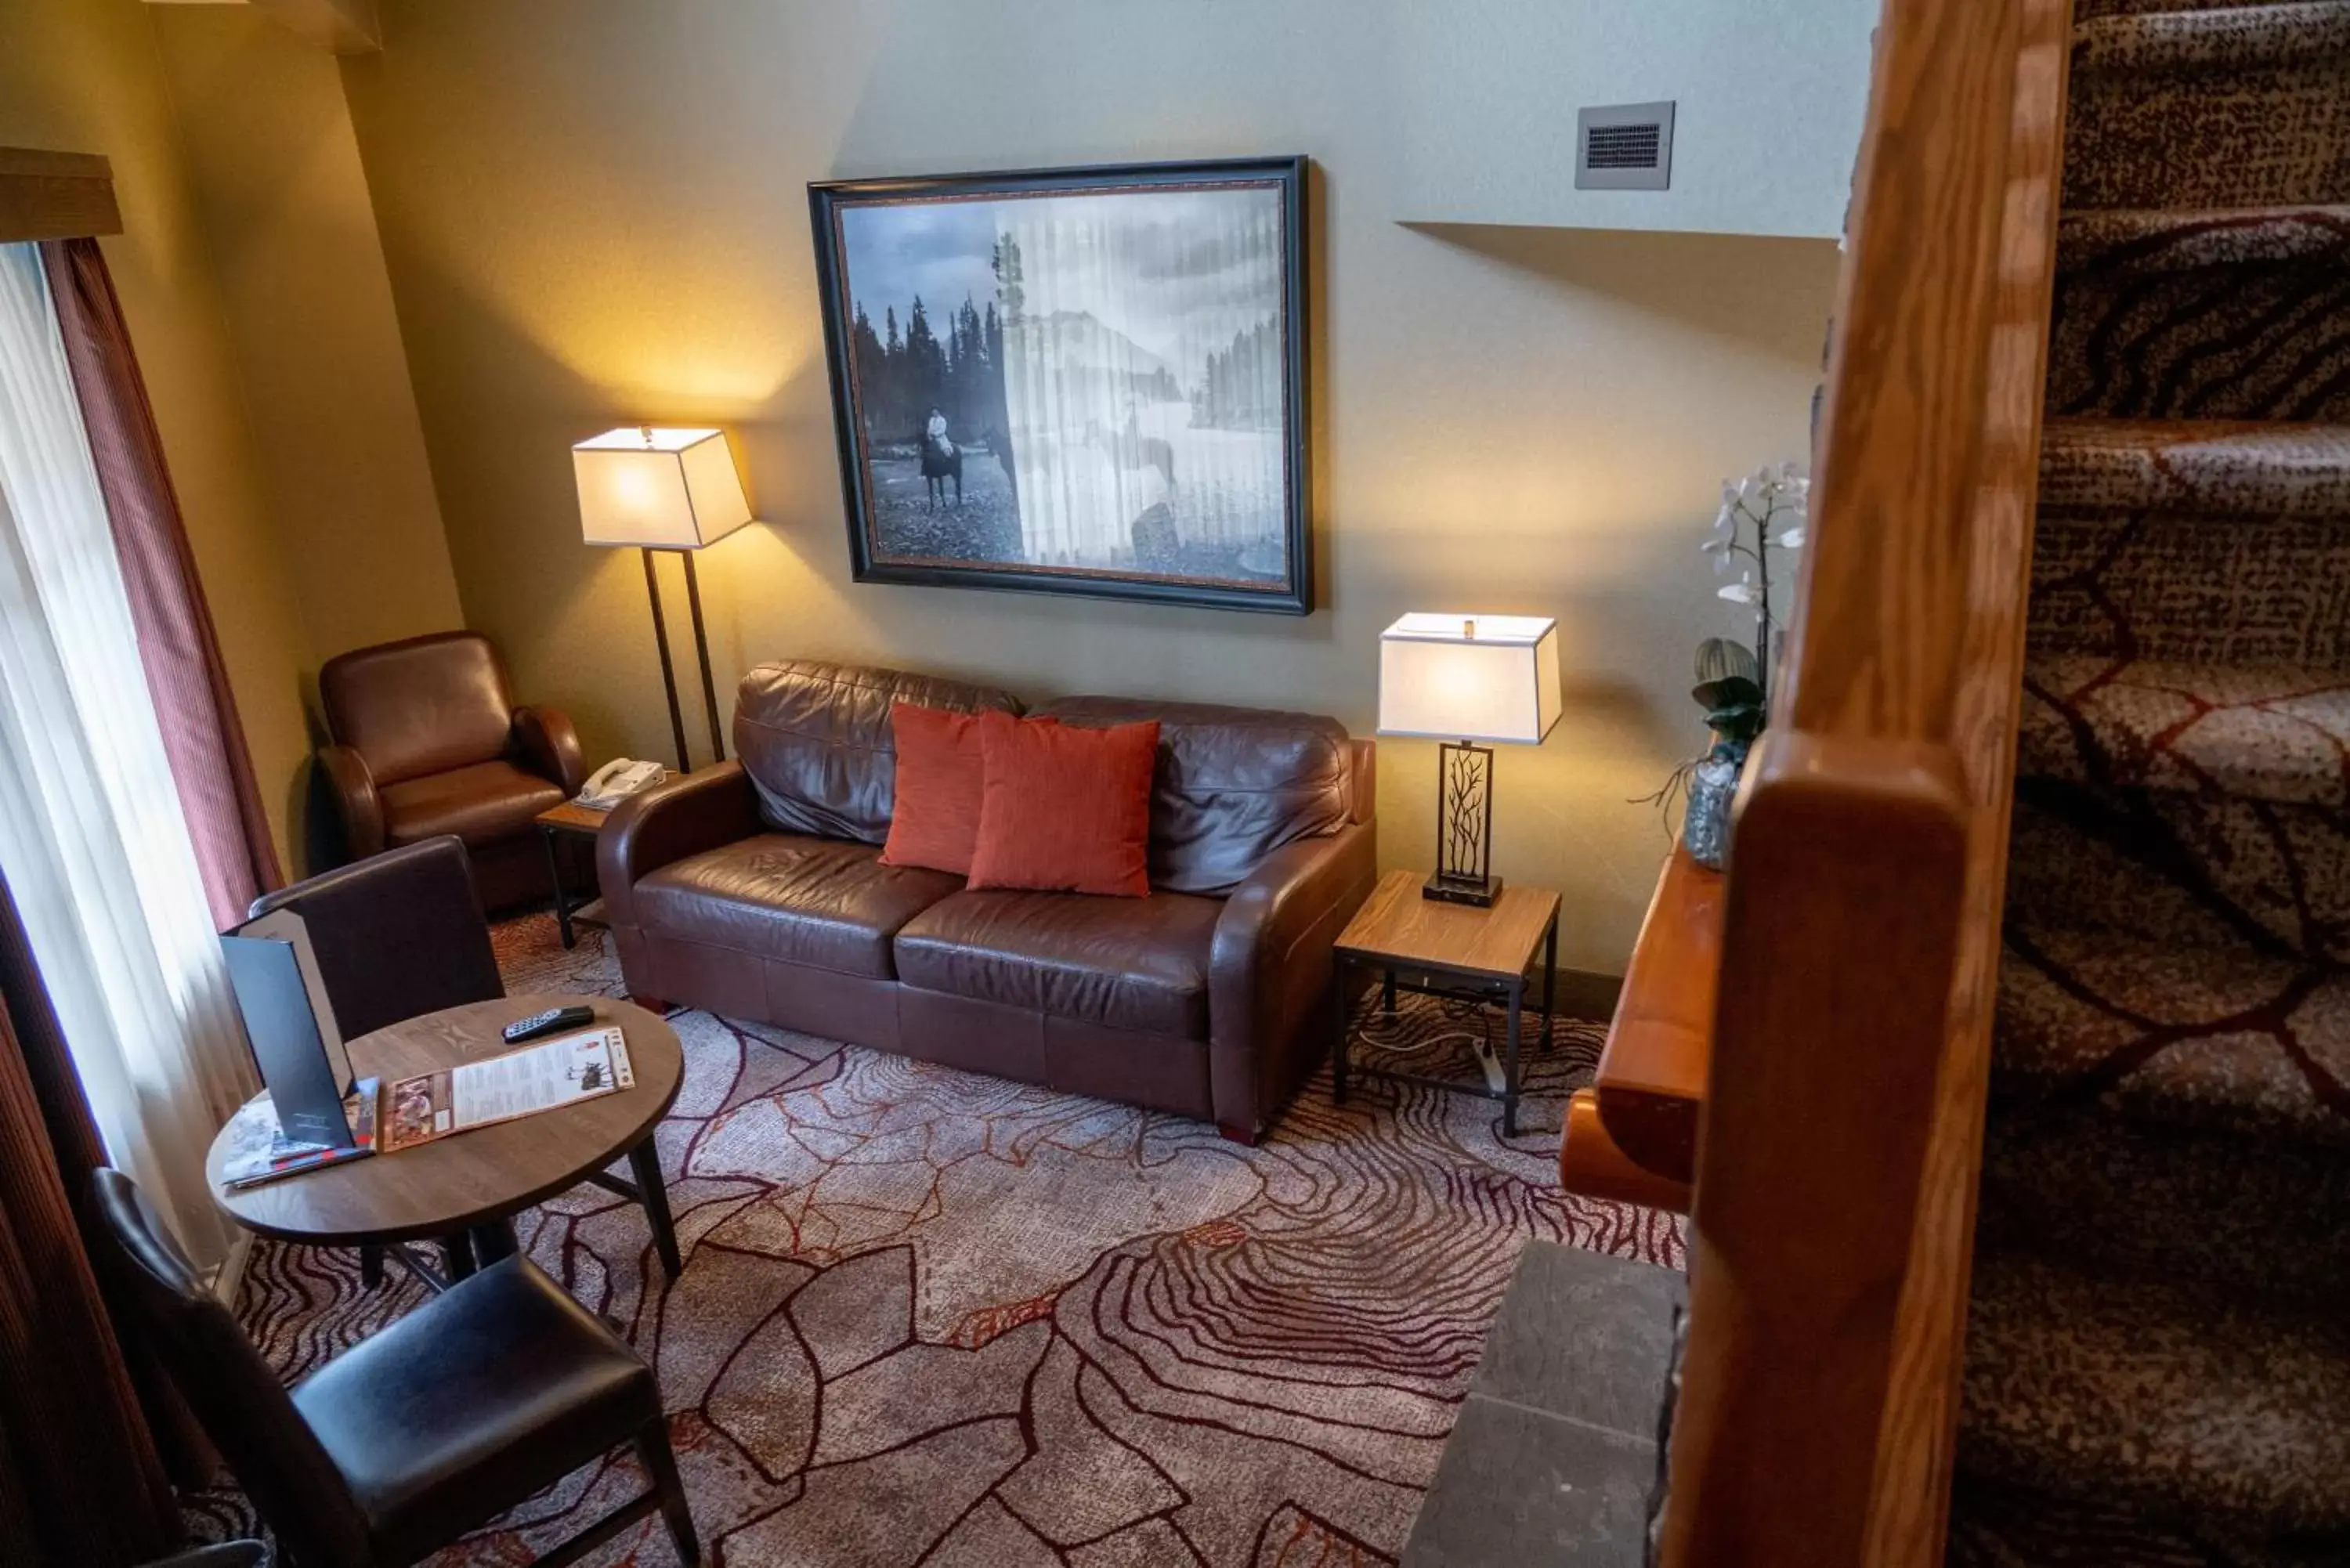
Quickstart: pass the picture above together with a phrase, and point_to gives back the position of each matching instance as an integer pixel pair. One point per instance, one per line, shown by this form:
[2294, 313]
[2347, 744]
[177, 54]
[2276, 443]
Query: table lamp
[1463, 679]
[672, 490]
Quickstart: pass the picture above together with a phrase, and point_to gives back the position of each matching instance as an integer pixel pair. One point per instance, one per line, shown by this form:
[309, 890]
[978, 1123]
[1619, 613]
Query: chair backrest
[423, 706]
[243, 1406]
[815, 740]
[397, 934]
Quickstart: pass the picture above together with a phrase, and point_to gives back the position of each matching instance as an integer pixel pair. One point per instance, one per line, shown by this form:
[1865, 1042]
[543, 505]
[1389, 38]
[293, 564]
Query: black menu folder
[286, 1044]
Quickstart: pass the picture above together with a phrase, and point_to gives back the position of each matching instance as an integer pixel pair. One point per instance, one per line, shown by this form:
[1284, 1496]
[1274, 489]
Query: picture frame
[1095, 383]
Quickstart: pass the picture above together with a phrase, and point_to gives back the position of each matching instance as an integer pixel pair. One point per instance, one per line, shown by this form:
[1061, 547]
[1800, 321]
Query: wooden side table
[571, 820]
[1453, 950]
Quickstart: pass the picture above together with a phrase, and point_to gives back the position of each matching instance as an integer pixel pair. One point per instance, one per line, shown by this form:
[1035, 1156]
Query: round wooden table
[463, 1190]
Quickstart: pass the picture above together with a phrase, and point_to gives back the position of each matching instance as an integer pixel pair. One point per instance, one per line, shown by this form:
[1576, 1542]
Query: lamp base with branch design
[1464, 826]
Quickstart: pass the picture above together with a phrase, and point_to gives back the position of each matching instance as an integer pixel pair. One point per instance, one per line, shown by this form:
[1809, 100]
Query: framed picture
[1075, 381]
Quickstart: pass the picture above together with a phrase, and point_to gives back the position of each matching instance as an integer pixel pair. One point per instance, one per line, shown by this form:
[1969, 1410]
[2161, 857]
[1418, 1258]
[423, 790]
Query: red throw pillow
[1067, 808]
[934, 819]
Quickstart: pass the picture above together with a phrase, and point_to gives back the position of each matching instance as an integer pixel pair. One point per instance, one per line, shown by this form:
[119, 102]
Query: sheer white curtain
[92, 837]
[1142, 372]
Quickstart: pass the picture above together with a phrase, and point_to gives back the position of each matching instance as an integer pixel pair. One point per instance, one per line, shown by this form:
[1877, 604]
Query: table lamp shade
[1469, 678]
[663, 489]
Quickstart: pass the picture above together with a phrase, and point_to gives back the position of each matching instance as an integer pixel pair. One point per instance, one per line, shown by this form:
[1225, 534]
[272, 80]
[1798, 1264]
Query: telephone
[616, 780]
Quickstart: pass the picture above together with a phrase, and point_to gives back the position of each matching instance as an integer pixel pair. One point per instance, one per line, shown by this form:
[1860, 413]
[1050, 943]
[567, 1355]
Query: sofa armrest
[356, 801]
[545, 744]
[668, 822]
[1270, 970]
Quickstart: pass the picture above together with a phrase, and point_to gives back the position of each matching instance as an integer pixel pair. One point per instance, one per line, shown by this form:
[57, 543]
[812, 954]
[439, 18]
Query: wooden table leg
[653, 1192]
[457, 1256]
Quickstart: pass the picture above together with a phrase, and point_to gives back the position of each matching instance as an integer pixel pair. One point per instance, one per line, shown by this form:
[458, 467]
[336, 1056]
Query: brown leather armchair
[428, 740]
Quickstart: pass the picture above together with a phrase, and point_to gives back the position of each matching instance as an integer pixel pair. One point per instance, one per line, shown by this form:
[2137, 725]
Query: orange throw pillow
[935, 817]
[1067, 808]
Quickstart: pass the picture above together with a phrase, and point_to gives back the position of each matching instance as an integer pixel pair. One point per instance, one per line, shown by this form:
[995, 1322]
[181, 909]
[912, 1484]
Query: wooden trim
[54, 195]
[1832, 1228]
[1594, 1165]
[1651, 1084]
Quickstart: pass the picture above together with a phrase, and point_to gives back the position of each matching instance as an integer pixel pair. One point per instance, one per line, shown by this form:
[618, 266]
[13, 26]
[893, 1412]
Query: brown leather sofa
[428, 741]
[755, 889]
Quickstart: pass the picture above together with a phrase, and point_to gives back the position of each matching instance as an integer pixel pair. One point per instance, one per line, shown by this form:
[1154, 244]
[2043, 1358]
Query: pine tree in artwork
[925, 364]
[869, 358]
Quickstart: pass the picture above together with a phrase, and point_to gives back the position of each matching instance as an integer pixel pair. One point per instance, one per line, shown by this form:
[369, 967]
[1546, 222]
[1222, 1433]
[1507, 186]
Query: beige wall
[84, 77]
[594, 212]
[283, 209]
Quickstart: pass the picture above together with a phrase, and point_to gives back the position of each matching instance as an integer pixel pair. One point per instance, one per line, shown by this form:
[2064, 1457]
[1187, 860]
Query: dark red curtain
[81, 1483]
[201, 735]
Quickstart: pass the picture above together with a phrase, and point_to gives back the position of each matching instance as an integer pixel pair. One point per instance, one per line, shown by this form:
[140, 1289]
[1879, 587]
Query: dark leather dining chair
[400, 935]
[428, 740]
[463, 1408]
[397, 935]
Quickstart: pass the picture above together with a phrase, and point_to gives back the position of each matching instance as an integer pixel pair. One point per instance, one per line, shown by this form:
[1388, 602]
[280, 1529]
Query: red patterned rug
[930, 1317]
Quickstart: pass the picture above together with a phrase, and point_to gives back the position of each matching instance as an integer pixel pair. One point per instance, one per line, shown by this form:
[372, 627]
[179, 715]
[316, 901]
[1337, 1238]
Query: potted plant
[1761, 513]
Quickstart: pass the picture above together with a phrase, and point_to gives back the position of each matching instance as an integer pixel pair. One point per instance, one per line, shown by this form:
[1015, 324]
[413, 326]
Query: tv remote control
[547, 1022]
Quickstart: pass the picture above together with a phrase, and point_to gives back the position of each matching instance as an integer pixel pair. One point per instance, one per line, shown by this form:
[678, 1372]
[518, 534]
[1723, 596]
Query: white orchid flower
[1736, 593]
[1792, 539]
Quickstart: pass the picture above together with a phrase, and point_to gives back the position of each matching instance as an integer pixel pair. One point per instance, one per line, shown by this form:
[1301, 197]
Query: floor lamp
[664, 490]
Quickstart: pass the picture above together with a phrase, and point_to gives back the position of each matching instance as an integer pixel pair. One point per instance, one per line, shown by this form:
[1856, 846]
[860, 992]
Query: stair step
[2242, 106]
[2175, 1401]
[2141, 240]
[2227, 313]
[1996, 1525]
[2088, 8]
[2269, 1216]
[2278, 733]
[2188, 870]
[2232, 38]
[2212, 468]
[2225, 1039]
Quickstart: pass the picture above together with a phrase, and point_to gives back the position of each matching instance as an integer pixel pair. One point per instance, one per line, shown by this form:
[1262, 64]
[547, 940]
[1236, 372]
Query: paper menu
[537, 1077]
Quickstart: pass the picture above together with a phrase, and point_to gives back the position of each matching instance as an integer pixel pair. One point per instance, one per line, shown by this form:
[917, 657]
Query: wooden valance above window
[56, 196]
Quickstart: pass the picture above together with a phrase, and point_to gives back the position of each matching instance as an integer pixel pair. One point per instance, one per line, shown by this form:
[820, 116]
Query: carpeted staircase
[2159, 1350]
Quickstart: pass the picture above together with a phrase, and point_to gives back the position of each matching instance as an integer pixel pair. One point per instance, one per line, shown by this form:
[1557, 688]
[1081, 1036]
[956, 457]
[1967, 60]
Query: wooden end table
[463, 1190]
[571, 820]
[1455, 950]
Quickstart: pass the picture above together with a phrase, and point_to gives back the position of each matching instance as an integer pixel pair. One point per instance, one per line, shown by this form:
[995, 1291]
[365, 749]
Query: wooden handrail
[1632, 1134]
[1832, 1224]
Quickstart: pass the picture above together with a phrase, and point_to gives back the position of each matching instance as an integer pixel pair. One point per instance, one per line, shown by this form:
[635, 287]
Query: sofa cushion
[1233, 783]
[480, 804]
[1127, 964]
[814, 739]
[1067, 808]
[822, 902]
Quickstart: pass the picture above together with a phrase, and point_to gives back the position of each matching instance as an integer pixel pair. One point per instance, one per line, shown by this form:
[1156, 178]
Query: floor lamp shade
[660, 489]
[1462, 679]
[673, 490]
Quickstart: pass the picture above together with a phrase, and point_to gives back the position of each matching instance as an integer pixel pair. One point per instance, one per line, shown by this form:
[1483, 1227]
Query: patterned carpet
[929, 1318]
[2159, 1370]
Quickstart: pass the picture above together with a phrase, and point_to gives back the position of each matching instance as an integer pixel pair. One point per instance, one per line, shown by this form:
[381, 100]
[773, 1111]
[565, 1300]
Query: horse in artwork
[941, 460]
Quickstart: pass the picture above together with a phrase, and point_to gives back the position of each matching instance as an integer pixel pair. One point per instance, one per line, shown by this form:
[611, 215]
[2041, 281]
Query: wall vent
[1624, 147]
